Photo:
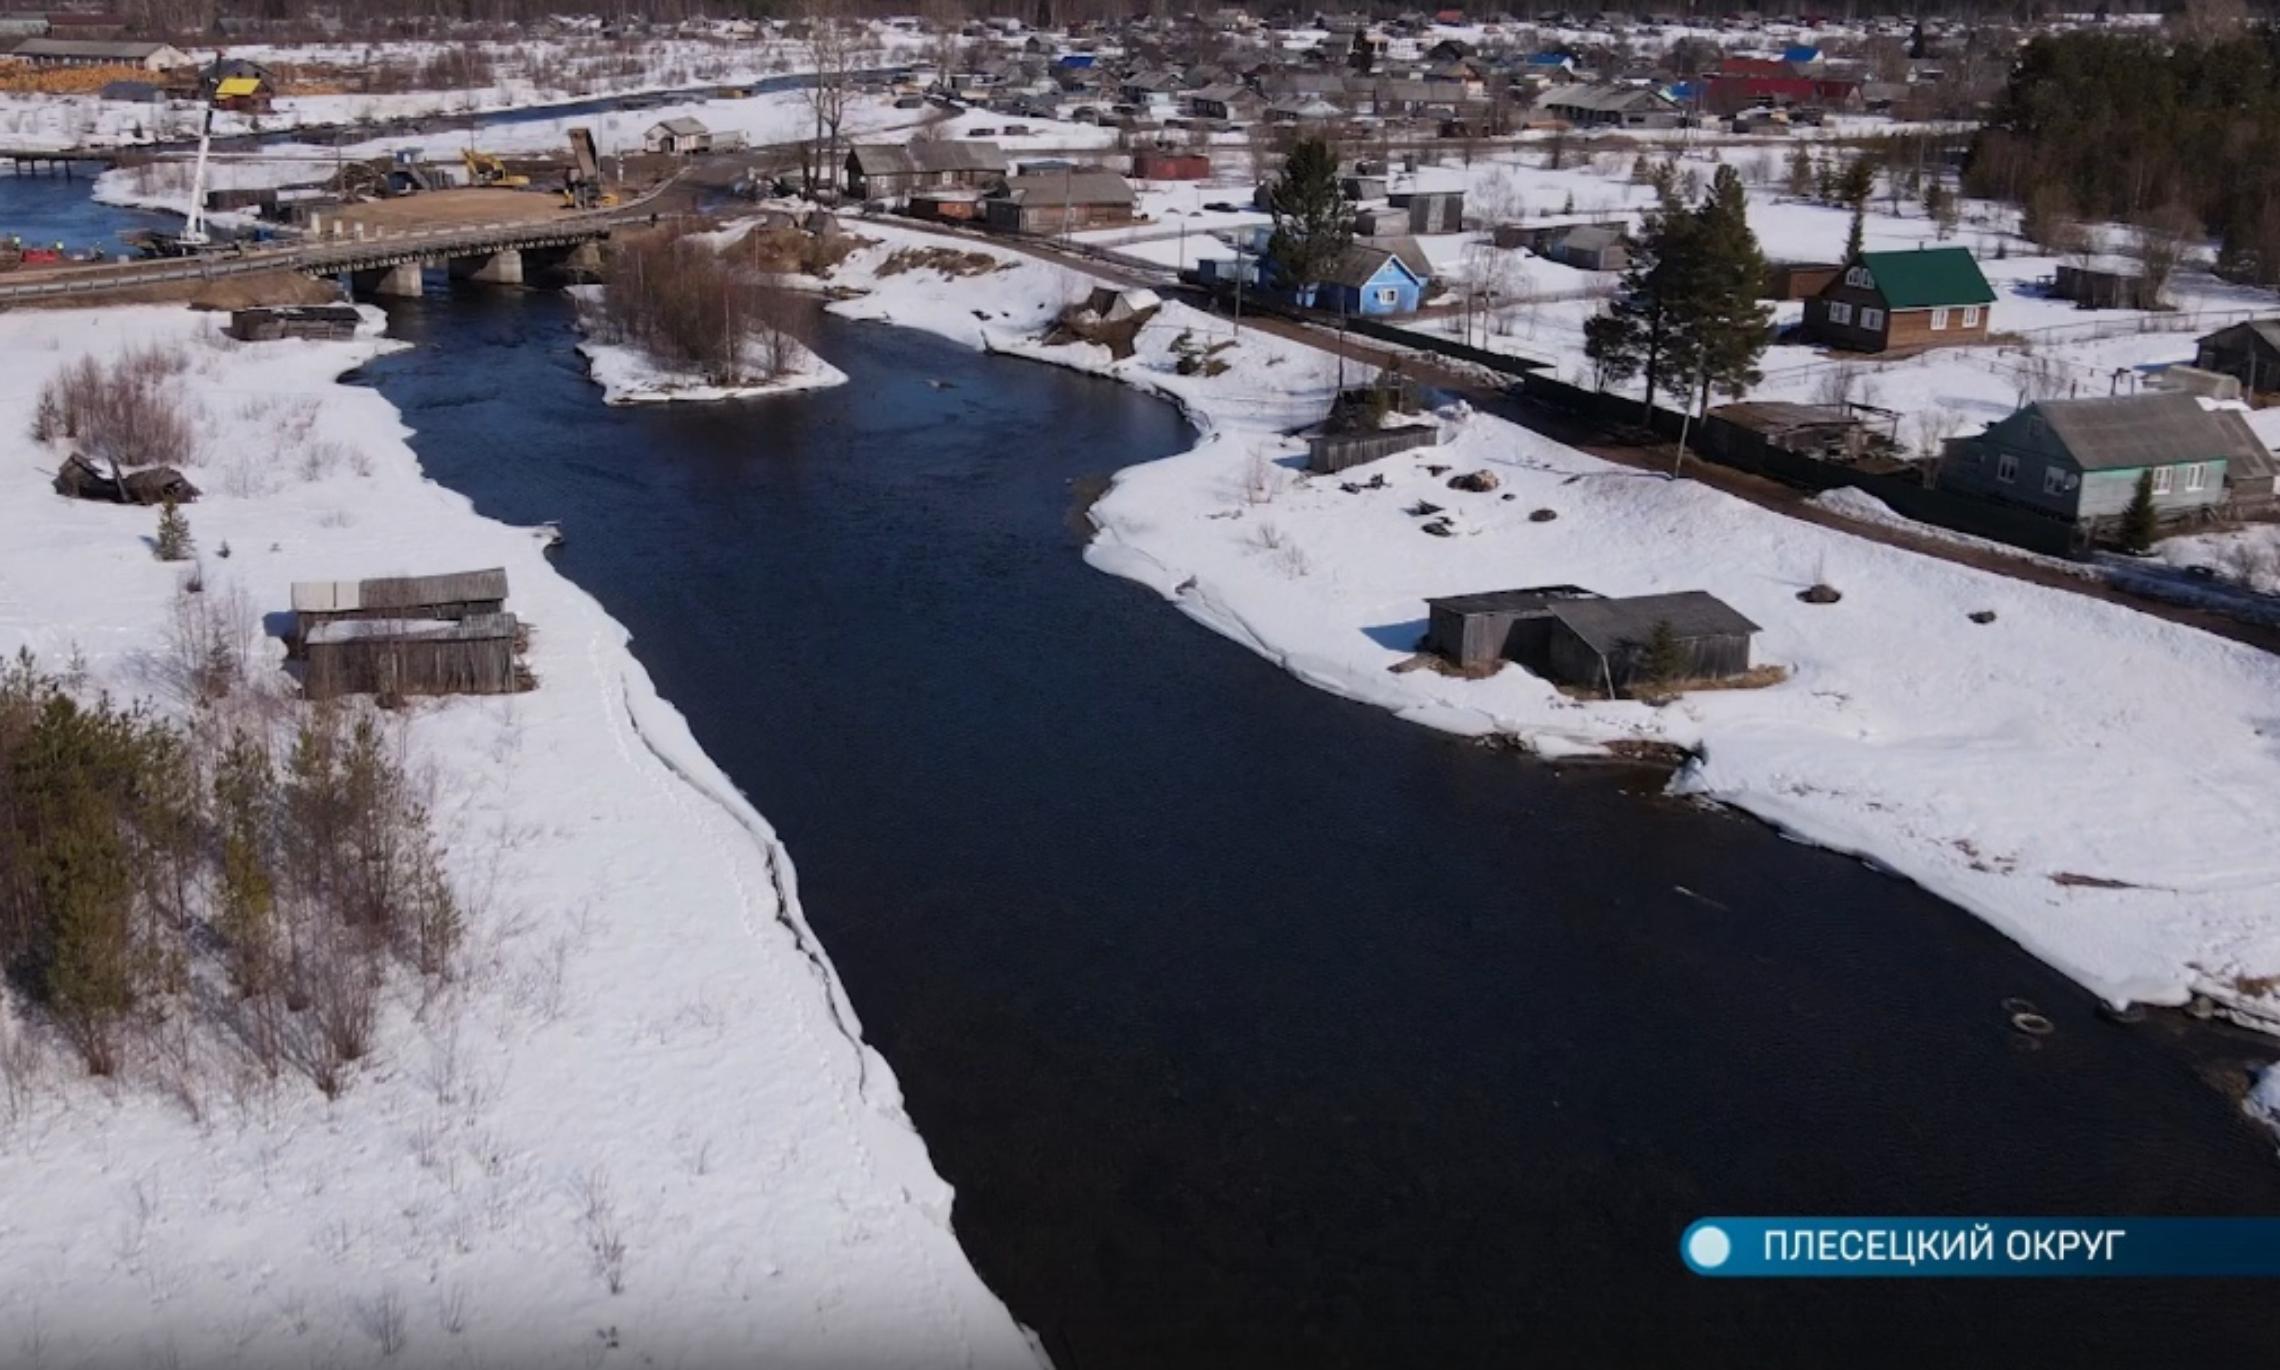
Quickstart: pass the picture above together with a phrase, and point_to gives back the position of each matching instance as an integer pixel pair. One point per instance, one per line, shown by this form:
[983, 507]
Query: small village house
[1607, 644]
[679, 137]
[1164, 164]
[1478, 631]
[1595, 106]
[1369, 279]
[94, 52]
[1590, 247]
[1574, 637]
[395, 656]
[1926, 297]
[447, 597]
[885, 171]
[1061, 202]
[2079, 460]
[2248, 352]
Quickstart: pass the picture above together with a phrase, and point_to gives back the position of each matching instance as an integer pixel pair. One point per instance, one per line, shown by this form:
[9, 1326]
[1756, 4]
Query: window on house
[1872, 320]
[1971, 316]
[1857, 277]
[1939, 321]
[2055, 481]
[2006, 468]
[2195, 476]
[2164, 479]
[1386, 294]
[1840, 312]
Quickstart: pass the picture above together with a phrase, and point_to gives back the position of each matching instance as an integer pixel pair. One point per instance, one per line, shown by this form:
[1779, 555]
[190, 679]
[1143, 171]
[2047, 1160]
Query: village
[1716, 400]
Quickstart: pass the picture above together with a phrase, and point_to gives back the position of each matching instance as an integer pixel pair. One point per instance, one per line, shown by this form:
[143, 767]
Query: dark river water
[1256, 1028]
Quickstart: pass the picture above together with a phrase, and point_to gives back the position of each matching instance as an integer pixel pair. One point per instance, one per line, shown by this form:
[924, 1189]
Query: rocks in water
[1820, 594]
[1423, 508]
[1543, 515]
[1479, 482]
[1983, 616]
[1440, 528]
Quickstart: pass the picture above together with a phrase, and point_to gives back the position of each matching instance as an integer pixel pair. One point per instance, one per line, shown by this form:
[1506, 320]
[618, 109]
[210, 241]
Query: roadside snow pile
[2093, 781]
[643, 1116]
[2248, 556]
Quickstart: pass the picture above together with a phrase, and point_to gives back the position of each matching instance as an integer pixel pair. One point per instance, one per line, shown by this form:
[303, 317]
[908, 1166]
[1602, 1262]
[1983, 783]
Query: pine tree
[1800, 182]
[2141, 523]
[245, 797]
[1314, 224]
[1939, 207]
[173, 533]
[1721, 319]
[1858, 183]
[1637, 334]
[1664, 663]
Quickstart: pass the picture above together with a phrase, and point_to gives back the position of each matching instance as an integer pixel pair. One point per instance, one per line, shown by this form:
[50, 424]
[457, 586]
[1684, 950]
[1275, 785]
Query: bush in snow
[127, 412]
[691, 309]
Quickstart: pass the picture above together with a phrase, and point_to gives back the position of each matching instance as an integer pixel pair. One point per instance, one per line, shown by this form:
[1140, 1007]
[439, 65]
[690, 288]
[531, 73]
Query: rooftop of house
[1070, 187]
[1610, 625]
[2128, 432]
[1525, 601]
[1928, 277]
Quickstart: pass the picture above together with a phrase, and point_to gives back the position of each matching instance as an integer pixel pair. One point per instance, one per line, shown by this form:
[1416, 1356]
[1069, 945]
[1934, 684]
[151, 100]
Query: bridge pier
[401, 281]
[504, 267]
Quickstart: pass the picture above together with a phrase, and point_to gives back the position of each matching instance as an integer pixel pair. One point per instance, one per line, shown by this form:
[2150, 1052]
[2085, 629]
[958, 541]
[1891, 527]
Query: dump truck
[582, 182]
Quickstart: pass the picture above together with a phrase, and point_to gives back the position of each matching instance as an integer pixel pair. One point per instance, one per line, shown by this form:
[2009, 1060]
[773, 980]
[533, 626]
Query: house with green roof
[1929, 297]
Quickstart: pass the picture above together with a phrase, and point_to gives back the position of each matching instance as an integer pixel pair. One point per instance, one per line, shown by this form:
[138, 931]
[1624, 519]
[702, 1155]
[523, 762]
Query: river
[1258, 1028]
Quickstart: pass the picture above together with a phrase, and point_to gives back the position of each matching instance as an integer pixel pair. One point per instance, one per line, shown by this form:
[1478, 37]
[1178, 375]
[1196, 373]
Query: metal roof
[1927, 278]
[1606, 99]
[2125, 432]
[1609, 625]
[911, 159]
[682, 127]
[89, 47]
[1071, 188]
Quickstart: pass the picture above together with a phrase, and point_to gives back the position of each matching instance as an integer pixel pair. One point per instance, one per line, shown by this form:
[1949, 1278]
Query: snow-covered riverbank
[647, 1039]
[628, 375]
[2093, 781]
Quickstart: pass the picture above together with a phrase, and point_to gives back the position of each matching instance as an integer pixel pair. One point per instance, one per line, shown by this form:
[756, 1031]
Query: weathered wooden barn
[1330, 453]
[321, 322]
[82, 479]
[1477, 631]
[2249, 352]
[410, 656]
[2096, 288]
[1063, 202]
[1604, 644]
[450, 598]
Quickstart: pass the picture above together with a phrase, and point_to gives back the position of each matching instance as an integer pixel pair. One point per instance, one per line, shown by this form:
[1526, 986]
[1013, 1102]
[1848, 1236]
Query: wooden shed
[321, 322]
[2096, 288]
[410, 656]
[1477, 631]
[1603, 643]
[449, 598]
[1329, 453]
[1798, 280]
[1159, 164]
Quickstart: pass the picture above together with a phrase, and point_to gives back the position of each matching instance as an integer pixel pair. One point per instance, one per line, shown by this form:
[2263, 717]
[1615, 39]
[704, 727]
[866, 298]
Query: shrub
[688, 307]
[173, 542]
[127, 412]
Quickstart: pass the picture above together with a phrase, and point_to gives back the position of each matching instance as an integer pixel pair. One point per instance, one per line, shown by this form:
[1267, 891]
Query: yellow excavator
[485, 169]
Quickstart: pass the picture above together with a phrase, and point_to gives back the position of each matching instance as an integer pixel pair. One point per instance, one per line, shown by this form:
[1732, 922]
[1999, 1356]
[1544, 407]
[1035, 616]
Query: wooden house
[2079, 460]
[879, 171]
[411, 656]
[1479, 630]
[1059, 202]
[680, 137]
[1927, 297]
[450, 597]
[1798, 280]
[320, 322]
[1604, 644]
[2248, 352]
[2097, 288]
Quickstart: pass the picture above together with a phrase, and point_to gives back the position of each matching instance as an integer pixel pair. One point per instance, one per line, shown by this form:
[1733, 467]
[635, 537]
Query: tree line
[2144, 129]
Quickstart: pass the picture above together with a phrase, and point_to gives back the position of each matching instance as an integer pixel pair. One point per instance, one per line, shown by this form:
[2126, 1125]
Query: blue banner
[1788, 1248]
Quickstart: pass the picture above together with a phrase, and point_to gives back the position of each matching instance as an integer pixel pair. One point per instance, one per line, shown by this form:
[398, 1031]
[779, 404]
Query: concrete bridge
[376, 262]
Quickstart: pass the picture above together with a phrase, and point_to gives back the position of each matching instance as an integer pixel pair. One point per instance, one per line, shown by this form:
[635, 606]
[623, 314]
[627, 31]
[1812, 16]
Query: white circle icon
[1708, 1247]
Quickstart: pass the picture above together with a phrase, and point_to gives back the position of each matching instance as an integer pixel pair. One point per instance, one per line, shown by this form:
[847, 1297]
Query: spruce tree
[1939, 206]
[245, 797]
[173, 533]
[1664, 662]
[1859, 180]
[2141, 523]
[1314, 225]
[1722, 321]
[1800, 182]
[1637, 334]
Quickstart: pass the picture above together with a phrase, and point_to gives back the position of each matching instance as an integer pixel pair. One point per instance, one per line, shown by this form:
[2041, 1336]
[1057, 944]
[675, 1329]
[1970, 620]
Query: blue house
[1368, 279]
